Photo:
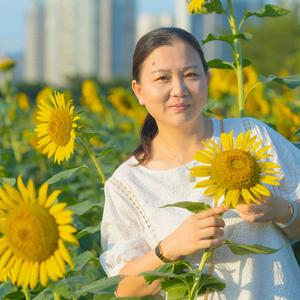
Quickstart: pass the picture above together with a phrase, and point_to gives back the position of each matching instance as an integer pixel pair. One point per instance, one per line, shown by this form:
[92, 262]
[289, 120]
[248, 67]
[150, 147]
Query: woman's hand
[275, 209]
[199, 231]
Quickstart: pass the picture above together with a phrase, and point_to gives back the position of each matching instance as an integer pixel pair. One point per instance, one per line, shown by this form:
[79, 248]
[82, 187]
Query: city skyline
[13, 22]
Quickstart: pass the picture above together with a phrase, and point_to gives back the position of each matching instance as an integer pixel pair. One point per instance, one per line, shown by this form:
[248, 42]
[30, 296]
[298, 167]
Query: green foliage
[267, 11]
[194, 207]
[291, 82]
[275, 45]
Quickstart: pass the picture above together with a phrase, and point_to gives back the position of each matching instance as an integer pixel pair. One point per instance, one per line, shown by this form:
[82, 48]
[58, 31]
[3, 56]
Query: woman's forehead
[179, 53]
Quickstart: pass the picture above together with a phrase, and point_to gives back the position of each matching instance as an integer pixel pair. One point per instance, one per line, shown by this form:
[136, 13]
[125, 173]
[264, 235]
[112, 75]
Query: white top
[134, 222]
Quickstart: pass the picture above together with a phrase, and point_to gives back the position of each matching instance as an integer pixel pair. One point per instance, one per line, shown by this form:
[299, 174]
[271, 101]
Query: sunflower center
[60, 126]
[235, 169]
[32, 232]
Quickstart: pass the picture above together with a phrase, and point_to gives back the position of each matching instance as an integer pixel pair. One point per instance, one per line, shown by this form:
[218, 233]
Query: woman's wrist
[166, 251]
[289, 214]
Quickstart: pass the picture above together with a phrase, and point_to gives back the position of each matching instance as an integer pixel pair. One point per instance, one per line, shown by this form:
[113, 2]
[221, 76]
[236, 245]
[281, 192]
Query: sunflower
[56, 127]
[7, 64]
[195, 6]
[23, 101]
[33, 230]
[235, 170]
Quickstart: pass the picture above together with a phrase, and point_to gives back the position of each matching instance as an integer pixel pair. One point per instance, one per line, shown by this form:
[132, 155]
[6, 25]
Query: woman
[170, 77]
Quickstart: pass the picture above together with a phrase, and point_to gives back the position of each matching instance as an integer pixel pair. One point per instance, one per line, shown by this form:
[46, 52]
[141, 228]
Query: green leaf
[64, 174]
[291, 81]
[242, 249]
[45, 294]
[227, 38]
[68, 286]
[221, 64]
[101, 286]
[296, 249]
[211, 283]
[150, 276]
[194, 207]
[82, 259]
[6, 180]
[214, 6]
[176, 291]
[267, 11]
[297, 145]
[297, 132]
[82, 207]
[88, 230]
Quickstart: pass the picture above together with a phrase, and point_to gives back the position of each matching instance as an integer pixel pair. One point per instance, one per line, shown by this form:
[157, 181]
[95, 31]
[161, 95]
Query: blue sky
[13, 15]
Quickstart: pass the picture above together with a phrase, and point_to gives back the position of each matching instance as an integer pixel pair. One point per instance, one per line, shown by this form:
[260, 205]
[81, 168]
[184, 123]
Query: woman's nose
[179, 88]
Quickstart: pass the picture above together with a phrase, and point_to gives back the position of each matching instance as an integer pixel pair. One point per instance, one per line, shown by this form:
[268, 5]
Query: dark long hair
[154, 39]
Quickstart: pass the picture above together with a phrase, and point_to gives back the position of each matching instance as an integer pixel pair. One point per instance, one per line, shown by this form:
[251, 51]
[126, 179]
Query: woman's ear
[136, 87]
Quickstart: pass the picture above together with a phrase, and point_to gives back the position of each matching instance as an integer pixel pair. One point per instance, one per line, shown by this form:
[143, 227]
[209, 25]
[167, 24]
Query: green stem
[237, 54]
[252, 88]
[206, 255]
[94, 160]
[26, 292]
[56, 296]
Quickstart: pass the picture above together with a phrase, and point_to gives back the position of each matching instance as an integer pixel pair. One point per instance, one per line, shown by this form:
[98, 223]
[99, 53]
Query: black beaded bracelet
[159, 254]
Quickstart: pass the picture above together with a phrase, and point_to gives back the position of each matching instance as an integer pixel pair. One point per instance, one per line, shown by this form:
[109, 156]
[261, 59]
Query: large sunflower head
[34, 229]
[234, 169]
[56, 123]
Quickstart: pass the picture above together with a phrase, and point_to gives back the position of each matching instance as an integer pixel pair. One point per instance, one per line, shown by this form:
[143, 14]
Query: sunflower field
[57, 148]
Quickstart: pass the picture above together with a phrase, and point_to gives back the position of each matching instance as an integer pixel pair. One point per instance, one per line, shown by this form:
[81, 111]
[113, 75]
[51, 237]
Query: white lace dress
[133, 222]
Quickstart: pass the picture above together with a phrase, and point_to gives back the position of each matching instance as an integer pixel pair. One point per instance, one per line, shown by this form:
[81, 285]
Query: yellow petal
[202, 157]
[43, 274]
[211, 191]
[63, 251]
[204, 183]
[262, 190]
[235, 196]
[42, 197]
[34, 275]
[15, 270]
[31, 190]
[22, 189]
[201, 171]
[53, 196]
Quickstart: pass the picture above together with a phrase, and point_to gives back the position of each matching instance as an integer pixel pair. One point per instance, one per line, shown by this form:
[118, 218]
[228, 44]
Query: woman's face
[173, 84]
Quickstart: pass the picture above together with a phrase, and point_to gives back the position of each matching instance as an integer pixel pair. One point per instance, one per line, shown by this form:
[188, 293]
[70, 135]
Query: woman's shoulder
[244, 124]
[125, 170]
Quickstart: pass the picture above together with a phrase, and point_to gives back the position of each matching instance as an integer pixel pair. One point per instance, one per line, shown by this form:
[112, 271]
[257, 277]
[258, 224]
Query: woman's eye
[162, 78]
[191, 75]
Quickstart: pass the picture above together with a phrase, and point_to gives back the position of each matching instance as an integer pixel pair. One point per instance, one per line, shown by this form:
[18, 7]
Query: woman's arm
[197, 232]
[134, 285]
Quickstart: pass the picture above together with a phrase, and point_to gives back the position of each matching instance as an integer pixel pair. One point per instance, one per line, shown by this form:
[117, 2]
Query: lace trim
[131, 197]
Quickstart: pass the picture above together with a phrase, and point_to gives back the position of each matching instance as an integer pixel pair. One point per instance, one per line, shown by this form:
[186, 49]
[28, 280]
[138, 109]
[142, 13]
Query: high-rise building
[91, 38]
[34, 51]
[147, 22]
[117, 37]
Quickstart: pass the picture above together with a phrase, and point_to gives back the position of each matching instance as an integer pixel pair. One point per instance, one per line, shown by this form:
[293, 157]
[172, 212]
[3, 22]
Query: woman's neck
[180, 144]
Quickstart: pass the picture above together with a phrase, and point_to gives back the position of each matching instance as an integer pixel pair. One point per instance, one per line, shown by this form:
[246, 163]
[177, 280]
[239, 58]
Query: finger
[211, 222]
[211, 212]
[244, 208]
[211, 233]
[203, 244]
[252, 218]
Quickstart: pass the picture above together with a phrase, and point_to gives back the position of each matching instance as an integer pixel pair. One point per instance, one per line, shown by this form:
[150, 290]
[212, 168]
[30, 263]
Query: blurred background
[85, 48]
[57, 41]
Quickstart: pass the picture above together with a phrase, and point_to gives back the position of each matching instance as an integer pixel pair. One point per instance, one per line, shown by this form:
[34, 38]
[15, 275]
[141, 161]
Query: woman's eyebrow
[183, 69]
[160, 70]
[190, 67]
